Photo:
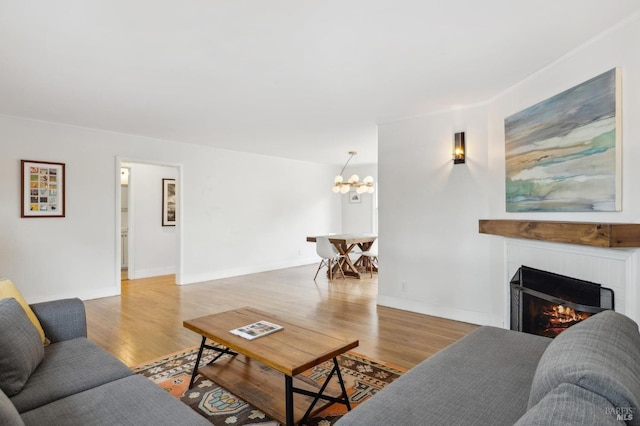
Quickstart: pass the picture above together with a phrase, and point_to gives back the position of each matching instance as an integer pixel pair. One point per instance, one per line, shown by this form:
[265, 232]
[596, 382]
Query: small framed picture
[42, 189]
[354, 197]
[168, 202]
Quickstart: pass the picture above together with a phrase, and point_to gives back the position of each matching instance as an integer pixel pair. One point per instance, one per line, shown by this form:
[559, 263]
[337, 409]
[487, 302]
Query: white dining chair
[329, 254]
[372, 256]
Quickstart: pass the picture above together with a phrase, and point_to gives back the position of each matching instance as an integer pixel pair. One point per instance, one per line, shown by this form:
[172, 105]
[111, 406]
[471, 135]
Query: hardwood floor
[145, 322]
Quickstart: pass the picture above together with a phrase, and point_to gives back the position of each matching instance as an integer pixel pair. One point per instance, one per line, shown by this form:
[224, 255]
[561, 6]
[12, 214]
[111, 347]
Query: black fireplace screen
[546, 304]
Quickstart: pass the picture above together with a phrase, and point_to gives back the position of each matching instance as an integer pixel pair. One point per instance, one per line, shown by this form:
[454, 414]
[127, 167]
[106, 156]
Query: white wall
[154, 247]
[429, 208]
[429, 211]
[239, 214]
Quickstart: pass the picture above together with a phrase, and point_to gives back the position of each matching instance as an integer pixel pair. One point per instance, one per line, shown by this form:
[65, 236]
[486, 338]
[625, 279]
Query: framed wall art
[168, 202]
[564, 154]
[355, 198]
[42, 189]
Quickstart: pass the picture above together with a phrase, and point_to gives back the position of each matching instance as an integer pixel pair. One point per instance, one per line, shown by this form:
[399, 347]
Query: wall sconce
[458, 148]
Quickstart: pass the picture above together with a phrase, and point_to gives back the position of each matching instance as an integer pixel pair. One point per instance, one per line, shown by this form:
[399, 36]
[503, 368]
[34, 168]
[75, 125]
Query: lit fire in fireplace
[561, 317]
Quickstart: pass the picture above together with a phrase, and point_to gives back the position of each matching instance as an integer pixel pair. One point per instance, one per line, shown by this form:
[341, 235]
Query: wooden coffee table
[256, 369]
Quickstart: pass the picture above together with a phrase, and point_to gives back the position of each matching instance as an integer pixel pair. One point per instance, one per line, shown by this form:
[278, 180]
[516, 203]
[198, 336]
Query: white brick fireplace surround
[615, 268]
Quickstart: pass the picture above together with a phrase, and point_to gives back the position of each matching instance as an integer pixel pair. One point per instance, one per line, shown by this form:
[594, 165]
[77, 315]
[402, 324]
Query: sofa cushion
[8, 289]
[21, 345]
[569, 404]
[133, 400]
[482, 378]
[601, 355]
[9, 416]
[68, 367]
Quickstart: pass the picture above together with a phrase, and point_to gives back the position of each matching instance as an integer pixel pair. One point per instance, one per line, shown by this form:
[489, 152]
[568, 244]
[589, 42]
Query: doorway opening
[124, 221]
[146, 245]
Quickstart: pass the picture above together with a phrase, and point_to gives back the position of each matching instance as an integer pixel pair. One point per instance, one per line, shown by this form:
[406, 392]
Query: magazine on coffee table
[257, 329]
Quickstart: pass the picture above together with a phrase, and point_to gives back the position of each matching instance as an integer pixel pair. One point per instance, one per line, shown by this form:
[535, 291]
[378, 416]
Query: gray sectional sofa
[72, 381]
[588, 375]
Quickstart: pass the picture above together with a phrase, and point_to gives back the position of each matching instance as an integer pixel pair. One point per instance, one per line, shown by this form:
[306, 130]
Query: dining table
[345, 243]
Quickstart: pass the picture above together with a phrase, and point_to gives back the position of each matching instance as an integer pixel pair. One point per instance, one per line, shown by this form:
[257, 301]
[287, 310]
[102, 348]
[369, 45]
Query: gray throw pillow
[22, 349]
[9, 416]
[601, 355]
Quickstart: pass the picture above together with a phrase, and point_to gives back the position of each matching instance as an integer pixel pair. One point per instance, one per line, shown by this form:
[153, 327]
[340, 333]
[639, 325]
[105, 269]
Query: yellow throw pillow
[8, 289]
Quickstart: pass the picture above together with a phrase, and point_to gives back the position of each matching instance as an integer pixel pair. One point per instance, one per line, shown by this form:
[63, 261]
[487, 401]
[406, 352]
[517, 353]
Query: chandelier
[339, 185]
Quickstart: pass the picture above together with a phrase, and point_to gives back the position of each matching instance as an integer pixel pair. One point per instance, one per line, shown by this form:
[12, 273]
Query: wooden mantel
[595, 234]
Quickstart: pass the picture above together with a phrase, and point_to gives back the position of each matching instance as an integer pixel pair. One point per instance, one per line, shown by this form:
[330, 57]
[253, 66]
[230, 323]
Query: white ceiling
[304, 79]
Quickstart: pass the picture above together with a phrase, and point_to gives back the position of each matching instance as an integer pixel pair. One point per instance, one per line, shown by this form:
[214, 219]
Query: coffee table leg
[344, 390]
[195, 367]
[288, 382]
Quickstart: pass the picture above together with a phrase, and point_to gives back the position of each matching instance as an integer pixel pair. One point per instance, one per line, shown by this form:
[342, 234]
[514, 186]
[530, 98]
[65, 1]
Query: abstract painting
[564, 153]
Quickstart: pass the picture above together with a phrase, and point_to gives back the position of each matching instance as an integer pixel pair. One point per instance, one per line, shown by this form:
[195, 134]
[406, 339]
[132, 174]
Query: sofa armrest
[63, 319]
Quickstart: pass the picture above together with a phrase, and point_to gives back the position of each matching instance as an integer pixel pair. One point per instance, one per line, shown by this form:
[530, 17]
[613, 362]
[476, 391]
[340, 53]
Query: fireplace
[546, 304]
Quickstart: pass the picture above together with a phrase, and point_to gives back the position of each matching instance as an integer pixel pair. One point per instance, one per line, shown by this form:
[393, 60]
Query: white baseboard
[82, 295]
[480, 318]
[146, 273]
[236, 272]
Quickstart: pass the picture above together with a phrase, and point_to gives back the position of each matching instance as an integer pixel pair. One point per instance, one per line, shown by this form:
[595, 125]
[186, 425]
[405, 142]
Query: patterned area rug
[363, 378]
